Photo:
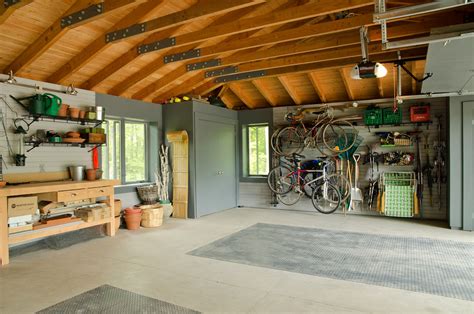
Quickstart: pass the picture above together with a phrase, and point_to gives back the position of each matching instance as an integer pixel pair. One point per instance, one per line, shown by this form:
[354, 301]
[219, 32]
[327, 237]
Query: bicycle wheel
[335, 136]
[289, 141]
[280, 180]
[273, 140]
[326, 198]
[290, 198]
[342, 184]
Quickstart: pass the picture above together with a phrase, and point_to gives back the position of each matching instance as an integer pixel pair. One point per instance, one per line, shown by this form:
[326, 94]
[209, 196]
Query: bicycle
[328, 134]
[291, 185]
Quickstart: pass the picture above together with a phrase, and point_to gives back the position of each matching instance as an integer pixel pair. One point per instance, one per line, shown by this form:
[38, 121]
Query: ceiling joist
[290, 90]
[204, 8]
[56, 30]
[98, 45]
[9, 6]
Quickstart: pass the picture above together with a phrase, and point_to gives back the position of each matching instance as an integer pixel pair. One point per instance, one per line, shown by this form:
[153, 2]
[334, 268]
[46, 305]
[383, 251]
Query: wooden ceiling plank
[317, 86]
[292, 14]
[157, 64]
[203, 9]
[339, 40]
[282, 36]
[265, 92]
[55, 31]
[6, 12]
[247, 100]
[290, 90]
[335, 64]
[98, 45]
[347, 83]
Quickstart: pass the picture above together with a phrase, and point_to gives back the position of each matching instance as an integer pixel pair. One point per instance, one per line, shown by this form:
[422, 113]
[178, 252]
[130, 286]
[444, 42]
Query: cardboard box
[22, 206]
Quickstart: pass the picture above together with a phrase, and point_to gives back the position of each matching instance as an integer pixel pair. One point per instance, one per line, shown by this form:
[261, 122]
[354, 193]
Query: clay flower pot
[74, 112]
[133, 218]
[91, 174]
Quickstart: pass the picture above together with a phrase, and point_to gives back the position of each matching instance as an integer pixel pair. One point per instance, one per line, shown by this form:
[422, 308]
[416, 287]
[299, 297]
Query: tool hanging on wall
[419, 178]
[356, 193]
[373, 183]
[428, 168]
[439, 163]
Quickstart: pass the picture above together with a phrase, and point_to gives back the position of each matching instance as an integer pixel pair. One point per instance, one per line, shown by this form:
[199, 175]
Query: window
[125, 156]
[258, 150]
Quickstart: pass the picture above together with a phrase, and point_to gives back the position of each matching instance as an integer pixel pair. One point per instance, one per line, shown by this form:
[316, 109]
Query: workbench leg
[4, 254]
[110, 227]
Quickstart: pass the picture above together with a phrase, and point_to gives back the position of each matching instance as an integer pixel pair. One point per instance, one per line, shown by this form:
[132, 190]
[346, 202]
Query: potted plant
[162, 179]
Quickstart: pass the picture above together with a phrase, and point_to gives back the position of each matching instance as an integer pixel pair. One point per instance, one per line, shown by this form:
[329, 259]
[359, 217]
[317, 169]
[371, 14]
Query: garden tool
[356, 193]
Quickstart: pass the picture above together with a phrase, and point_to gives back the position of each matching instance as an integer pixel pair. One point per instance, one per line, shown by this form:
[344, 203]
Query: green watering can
[51, 106]
[45, 104]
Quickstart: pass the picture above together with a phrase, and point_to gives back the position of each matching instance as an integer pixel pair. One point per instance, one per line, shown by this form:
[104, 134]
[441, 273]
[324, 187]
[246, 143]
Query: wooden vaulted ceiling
[307, 48]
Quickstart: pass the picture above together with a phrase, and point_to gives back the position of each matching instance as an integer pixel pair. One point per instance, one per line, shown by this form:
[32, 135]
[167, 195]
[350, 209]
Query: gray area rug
[108, 299]
[444, 268]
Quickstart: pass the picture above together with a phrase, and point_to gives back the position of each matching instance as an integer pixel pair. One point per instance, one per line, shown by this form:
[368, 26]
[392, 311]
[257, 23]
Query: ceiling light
[11, 79]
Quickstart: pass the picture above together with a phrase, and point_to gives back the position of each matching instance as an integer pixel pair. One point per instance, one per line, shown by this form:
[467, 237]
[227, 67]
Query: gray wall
[461, 158]
[119, 107]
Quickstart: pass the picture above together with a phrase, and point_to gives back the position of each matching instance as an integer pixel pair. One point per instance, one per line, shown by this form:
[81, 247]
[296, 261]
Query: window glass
[111, 152]
[258, 150]
[135, 152]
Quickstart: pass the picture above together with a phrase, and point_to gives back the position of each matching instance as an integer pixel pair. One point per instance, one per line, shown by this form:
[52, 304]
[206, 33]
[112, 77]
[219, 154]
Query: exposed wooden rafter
[94, 48]
[347, 83]
[55, 31]
[317, 86]
[7, 11]
[265, 92]
[239, 92]
[290, 90]
[204, 8]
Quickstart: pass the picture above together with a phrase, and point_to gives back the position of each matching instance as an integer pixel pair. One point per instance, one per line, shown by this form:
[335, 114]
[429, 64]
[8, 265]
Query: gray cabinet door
[216, 180]
[468, 165]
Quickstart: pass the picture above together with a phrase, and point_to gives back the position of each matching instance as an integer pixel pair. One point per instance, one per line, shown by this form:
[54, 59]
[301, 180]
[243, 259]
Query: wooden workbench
[61, 191]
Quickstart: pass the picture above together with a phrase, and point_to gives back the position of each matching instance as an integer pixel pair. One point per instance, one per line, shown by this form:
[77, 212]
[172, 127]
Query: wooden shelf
[45, 232]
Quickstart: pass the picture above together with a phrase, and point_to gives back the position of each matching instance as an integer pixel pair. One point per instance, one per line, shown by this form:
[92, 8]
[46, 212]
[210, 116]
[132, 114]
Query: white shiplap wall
[258, 194]
[41, 159]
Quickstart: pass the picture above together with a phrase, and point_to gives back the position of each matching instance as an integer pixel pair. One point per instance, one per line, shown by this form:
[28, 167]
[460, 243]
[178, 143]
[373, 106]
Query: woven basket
[148, 194]
[152, 216]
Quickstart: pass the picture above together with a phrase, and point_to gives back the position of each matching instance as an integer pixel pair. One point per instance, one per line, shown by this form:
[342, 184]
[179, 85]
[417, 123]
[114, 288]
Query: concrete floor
[153, 262]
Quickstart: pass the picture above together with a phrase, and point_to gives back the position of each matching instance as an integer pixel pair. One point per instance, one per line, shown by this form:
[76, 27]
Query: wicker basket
[148, 194]
[152, 215]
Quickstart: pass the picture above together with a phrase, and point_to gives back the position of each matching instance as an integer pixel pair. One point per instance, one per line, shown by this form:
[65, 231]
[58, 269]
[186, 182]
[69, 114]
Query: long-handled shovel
[356, 192]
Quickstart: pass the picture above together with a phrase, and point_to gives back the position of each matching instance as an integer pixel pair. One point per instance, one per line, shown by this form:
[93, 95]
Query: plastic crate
[390, 117]
[373, 116]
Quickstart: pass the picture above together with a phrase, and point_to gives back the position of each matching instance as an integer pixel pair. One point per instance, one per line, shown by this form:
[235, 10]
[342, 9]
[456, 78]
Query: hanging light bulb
[11, 79]
[71, 90]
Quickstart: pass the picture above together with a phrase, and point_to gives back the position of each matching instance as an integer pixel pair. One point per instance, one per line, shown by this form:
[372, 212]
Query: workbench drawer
[72, 195]
[98, 192]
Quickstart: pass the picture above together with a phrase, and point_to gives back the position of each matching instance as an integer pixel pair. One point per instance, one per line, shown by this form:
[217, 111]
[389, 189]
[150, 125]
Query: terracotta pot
[74, 112]
[82, 114]
[131, 210]
[133, 221]
[90, 174]
[63, 110]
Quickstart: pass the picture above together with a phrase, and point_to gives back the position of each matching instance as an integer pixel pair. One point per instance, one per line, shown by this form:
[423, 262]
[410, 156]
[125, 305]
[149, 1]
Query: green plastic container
[390, 117]
[373, 116]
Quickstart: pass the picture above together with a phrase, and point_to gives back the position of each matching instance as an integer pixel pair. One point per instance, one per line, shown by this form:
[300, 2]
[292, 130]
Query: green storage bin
[390, 117]
[373, 116]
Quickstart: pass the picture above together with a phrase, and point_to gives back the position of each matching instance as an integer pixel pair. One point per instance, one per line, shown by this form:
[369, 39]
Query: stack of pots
[133, 217]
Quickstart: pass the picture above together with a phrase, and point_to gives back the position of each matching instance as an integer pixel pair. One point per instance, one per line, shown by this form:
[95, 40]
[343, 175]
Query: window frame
[246, 136]
[123, 176]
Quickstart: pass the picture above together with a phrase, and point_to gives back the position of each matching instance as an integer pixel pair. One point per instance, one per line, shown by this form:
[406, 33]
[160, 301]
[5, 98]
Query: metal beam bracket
[126, 32]
[157, 45]
[82, 15]
[222, 71]
[182, 56]
[203, 65]
[9, 3]
[240, 76]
